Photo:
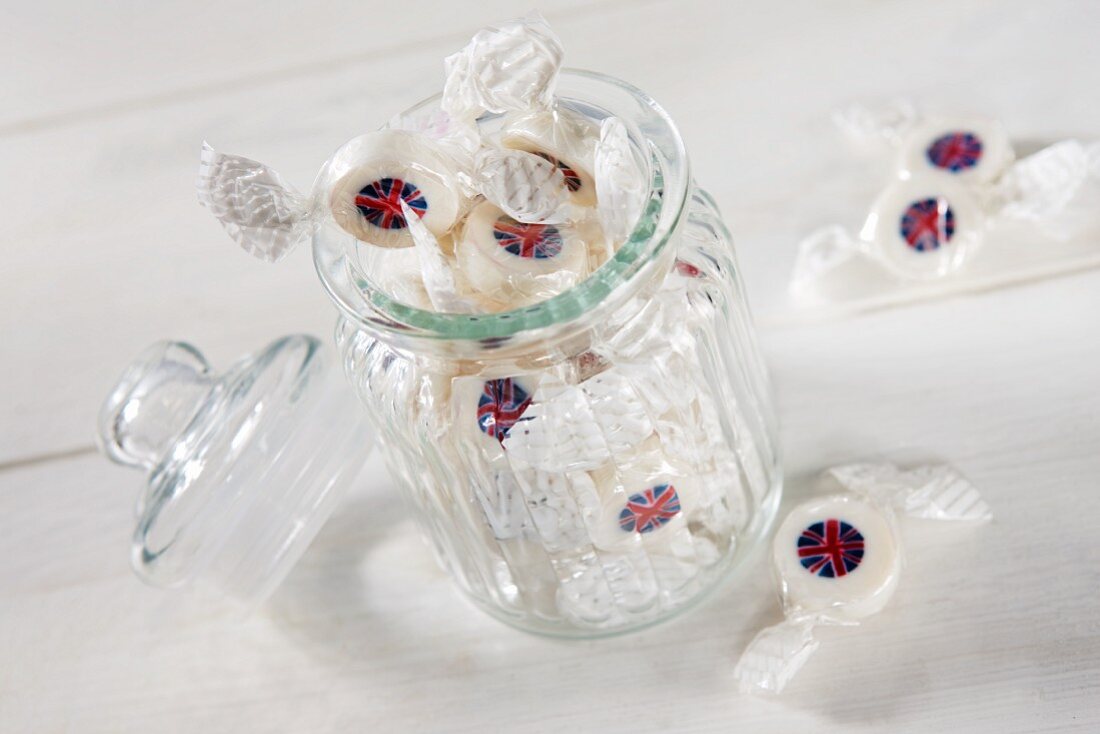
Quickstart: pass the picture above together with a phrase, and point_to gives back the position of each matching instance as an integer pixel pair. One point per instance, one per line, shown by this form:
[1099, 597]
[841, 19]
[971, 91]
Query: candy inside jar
[545, 322]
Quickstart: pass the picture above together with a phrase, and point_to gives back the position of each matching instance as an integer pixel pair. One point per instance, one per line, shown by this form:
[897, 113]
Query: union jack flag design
[572, 178]
[830, 548]
[380, 202]
[649, 510]
[927, 224]
[500, 406]
[955, 151]
[540, 241]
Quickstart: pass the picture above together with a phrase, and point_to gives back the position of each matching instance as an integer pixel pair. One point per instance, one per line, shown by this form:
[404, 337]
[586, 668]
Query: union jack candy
[377, 174]
[569, 141]
[965, 150]
[540, 241]
[650, 509]
[518, 263]
[928, 223]
[925, 227]
[837, 557]
[500, 406]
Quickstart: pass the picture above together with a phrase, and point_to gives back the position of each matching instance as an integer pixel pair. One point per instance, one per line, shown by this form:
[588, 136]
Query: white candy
[526, 187]
[645, 504]
[584, 595]
[854, 573]
[557, 504]
[571, 427]
[503, 505]
[515, 262]
[503, 68]
[838, 558]
[371, 174]
[487, 410]
[925, 227]
[622, 182]
[565, 138]
[967, 150]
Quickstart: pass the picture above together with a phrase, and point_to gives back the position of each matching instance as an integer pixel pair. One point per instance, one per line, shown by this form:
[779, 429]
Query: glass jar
[600, 460]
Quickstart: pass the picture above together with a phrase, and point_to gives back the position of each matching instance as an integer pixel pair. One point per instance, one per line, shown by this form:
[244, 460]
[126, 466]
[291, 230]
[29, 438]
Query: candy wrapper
[837, 558]
[963, 213]
[503, 195]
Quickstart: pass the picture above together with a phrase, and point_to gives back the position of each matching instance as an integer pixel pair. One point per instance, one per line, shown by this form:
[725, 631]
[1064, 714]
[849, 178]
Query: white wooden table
[102, 110]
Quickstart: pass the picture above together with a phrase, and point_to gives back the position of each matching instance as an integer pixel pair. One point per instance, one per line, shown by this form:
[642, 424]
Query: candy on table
[969, 150]
[955, 175]
[837, 558]
[924, 227]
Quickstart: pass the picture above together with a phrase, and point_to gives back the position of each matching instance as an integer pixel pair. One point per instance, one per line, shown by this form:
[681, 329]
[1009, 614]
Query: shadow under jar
[598, 461]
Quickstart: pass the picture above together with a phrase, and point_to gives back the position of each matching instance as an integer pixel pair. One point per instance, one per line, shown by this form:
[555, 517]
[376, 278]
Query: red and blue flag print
[955, 151]
[927, 224]
[539, 241]
[649, 510]
[500, 407]
[572, 178]
[830, 548]
[380, 202]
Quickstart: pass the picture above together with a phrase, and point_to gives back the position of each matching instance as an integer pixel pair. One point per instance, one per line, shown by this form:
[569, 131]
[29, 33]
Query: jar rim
[368, 307]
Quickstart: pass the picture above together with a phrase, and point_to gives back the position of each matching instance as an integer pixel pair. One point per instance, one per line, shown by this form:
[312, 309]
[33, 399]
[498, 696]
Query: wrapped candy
[513, 66]
[519, 262]
[837, 558]
[956, 179]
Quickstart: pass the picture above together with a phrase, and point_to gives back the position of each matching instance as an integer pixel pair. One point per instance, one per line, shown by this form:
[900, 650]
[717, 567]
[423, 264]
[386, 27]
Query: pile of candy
[457, 219]
[955, 177]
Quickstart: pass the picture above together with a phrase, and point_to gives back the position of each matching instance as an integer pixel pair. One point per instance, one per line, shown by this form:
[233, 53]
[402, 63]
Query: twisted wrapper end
[261, 212]
[932, 492]
[776, 655]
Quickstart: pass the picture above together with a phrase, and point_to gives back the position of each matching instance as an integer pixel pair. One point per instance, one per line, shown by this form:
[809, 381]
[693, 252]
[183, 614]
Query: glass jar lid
[243, 467]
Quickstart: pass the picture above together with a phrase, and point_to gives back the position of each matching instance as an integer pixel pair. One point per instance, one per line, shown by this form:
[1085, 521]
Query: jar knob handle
[153, 402]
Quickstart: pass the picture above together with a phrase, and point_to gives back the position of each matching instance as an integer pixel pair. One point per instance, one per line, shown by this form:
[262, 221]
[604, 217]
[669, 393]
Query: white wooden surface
[102, 110]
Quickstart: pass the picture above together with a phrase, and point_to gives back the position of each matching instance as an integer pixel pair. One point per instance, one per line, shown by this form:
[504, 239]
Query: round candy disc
[925, 227]
[373, 174]
[644, 504]
[967, 150]
[837, 556]
[563, 137]
[500, 406]
[516, 261]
